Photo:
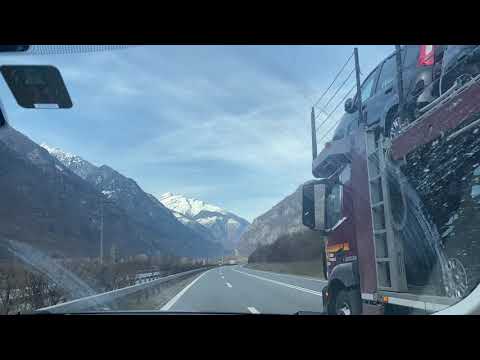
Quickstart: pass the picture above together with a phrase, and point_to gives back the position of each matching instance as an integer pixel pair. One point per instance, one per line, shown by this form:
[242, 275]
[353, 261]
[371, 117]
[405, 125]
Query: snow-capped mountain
[143, 208]
[194, 225]
[225, 227]
[75, 163]
[46, 205]
[188, 207]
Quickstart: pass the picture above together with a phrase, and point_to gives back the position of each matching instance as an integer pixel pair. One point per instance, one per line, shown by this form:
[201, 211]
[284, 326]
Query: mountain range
[225, 227]
[209, 222]
[55, 200]
[284, 218]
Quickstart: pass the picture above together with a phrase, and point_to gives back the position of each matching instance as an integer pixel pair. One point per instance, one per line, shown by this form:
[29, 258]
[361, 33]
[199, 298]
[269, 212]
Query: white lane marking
[253, 310]
[229, 285]
[173, 300]
[313, 292]
[223, 277]
[288, 275]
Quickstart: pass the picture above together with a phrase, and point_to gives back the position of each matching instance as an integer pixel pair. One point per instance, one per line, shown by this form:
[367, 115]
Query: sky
[229, 125]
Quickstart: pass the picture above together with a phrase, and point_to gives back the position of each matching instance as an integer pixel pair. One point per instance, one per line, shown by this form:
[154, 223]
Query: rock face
[48, 206]
[223, 226]
[75, 163]
[284, 218]
[52, 200]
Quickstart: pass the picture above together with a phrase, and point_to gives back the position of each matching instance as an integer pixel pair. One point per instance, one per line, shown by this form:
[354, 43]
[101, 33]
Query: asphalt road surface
[241, 290]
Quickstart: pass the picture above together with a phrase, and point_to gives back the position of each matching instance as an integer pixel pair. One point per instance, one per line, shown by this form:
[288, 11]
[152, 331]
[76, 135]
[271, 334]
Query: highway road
[241, 290]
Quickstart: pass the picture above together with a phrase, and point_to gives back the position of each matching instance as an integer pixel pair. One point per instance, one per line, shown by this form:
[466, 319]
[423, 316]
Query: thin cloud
[228, 125]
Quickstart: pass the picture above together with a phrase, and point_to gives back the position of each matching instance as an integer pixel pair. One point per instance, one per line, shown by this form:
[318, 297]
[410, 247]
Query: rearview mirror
[37, 86]
[349, 106]
[313, 206]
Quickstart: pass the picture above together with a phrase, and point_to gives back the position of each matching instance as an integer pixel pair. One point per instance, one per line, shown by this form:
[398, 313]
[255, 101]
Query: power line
[331, 84]
[336, 92]
[336, 107]
[341, 86]
[321, 111]
[329, 130]
[333, 126]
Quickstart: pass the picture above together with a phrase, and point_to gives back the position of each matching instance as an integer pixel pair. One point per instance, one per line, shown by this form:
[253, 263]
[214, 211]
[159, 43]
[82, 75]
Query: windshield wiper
[14, 48]
[310, 313]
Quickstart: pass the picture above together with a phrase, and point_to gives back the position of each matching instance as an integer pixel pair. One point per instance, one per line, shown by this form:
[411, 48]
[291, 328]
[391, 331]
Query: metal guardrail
[144, 279]
[101, 301]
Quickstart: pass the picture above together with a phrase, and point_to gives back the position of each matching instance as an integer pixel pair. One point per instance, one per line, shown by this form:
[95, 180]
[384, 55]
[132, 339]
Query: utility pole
[101, 231]
[359, 93]
[314, 134]
[401, 104]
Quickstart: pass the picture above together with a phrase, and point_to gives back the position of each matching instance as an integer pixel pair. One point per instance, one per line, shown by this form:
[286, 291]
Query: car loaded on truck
[396, 193]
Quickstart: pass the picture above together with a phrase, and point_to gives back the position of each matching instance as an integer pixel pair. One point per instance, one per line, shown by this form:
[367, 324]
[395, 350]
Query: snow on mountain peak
[224, 226]
[57, 152]
[75, 163]
[188, 206]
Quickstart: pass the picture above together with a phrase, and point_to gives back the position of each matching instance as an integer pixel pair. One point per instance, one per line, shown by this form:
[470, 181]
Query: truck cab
[331, 206]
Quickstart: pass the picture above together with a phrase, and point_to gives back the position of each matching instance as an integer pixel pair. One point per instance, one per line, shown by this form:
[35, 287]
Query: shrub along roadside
[300, 246]
[23, 289]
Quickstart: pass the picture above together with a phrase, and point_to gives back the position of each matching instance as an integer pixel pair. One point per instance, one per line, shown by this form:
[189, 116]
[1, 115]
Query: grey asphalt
[241, 290]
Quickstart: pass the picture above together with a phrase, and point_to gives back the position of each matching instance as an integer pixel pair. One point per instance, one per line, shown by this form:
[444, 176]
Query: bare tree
[116, 277]
[54, 293]
[35, 290]
[8, 285]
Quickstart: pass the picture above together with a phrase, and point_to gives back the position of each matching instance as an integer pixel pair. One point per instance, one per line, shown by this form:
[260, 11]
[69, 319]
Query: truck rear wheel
[347, 302]
[393, 125]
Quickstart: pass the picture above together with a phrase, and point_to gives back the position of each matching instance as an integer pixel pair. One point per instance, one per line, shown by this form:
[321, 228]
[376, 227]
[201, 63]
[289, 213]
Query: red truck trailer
[400, 214]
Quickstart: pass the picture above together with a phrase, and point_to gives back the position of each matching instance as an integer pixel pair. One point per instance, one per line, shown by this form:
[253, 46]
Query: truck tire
[393, 127]
[348, 302]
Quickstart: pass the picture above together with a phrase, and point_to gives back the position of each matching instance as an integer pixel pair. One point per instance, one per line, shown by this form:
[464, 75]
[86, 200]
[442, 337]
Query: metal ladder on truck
[389, 257]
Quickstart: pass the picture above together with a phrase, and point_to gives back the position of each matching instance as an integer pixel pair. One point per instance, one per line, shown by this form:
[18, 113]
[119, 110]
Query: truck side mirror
[313, 206]
[349, 106]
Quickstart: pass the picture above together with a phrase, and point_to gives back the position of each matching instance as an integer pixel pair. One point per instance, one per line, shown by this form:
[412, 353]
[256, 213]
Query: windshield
[169, 178]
